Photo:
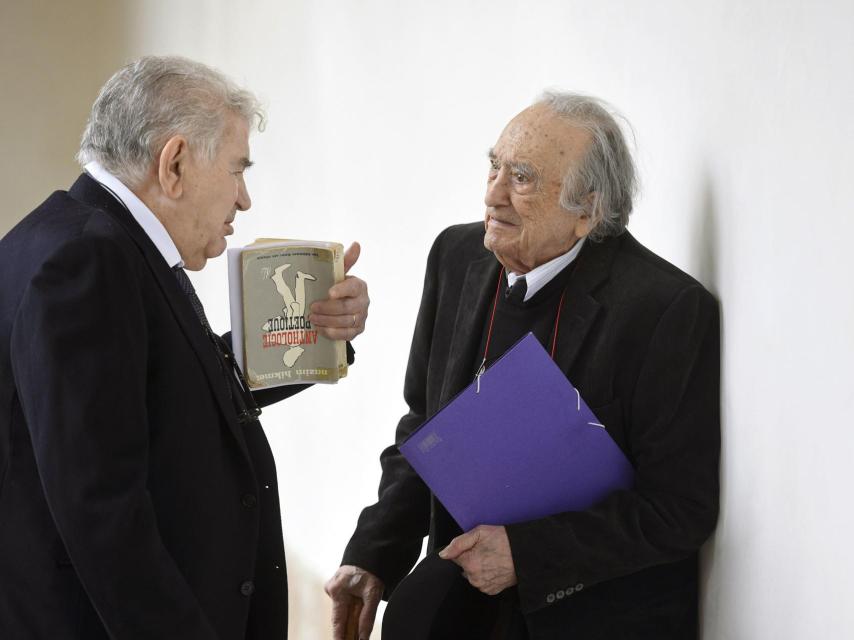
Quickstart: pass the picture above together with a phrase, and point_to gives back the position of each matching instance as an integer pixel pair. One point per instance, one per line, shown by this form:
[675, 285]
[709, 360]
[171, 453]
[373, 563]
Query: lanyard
[482, 367]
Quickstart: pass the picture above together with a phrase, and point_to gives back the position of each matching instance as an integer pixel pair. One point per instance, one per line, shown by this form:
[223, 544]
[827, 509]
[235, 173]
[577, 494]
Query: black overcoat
[132, 503]
[640, 340]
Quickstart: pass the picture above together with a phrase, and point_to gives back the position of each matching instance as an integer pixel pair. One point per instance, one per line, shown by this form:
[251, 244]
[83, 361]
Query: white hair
[154, 98]
[607, 170]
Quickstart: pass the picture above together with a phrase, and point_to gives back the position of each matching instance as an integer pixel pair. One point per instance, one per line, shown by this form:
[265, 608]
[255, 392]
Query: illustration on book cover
[291, 329]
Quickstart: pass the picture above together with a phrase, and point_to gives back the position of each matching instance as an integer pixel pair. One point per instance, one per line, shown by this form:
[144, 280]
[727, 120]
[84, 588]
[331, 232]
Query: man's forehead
[540, 133]
[236, 139]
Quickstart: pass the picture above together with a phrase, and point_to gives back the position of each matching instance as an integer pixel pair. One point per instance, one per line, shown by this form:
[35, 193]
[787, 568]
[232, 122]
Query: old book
[272, 284]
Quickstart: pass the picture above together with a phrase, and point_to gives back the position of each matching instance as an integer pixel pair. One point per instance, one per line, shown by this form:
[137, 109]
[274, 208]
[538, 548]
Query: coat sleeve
[390, 533]
[80, 362]
[266, 397]
[674, 430]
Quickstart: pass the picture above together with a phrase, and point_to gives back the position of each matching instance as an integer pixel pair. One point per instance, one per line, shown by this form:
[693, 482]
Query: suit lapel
[578, 313]
[475, 302]
[89, 191]
[580, 308]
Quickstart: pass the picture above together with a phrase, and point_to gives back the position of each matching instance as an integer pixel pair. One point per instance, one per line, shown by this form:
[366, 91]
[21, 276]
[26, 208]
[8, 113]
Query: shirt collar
[540, 276]
[146, 219]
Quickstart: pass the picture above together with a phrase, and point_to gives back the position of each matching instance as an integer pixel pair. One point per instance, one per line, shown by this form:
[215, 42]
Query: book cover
[272, 286]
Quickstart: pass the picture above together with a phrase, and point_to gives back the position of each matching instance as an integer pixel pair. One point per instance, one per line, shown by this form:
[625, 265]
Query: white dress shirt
[538, 277]
[153, 228]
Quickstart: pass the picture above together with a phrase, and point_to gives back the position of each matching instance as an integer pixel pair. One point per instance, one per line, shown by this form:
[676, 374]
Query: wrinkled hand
[484, 555]
[343, 314]
[347, 587]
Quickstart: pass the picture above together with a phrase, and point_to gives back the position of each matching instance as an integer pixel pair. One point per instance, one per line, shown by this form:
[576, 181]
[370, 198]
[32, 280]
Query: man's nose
[243, 199]
[497, 193]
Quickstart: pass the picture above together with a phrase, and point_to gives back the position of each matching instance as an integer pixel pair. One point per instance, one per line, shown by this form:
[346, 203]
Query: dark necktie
[241, 396]
[516, 293]
[190, 292]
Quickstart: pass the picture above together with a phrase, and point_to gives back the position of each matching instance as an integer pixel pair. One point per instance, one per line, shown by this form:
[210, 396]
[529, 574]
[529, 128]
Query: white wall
[380, 114]
[54, 56]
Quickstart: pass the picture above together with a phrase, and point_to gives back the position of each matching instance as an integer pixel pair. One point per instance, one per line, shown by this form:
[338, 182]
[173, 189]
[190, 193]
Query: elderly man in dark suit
[636, 336]
[138, 493]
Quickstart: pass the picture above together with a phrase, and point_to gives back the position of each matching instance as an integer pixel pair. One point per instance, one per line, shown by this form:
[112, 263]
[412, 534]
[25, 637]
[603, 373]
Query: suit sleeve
[266, 397]
[390, 533]
[674, 430]
[80, 361]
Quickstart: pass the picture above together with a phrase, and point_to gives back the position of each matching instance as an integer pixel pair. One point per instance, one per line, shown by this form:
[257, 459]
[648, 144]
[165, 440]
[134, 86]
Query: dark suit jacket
[132, 503]
[640, 340]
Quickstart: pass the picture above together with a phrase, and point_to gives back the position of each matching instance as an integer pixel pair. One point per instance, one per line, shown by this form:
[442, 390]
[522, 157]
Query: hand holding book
[342, 316]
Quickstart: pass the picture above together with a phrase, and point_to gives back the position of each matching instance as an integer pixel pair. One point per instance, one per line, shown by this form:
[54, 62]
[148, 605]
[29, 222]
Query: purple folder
[523, 447]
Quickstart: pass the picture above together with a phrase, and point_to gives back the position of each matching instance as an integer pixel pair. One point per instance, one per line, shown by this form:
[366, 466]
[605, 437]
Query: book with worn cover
[272, 284]
[517, 444]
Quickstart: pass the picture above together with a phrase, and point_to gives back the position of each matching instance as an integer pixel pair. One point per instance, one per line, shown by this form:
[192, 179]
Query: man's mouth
[498, 223]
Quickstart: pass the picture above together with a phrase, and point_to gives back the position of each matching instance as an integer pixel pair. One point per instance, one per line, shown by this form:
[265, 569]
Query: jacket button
[550, 598]
[249, 500]
[560, 594]
[247, 588]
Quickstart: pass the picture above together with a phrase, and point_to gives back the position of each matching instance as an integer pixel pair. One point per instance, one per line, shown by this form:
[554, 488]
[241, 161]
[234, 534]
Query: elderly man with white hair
[635, 335]
[138, 493]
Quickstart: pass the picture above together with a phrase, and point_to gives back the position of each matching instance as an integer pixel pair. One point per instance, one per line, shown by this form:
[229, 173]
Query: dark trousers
[435, 602]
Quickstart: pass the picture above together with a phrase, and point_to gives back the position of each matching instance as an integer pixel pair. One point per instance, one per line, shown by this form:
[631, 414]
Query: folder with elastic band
[517, 444]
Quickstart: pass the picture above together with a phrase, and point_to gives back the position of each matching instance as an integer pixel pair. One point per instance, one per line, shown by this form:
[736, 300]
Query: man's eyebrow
[245, 163]
[524, 168]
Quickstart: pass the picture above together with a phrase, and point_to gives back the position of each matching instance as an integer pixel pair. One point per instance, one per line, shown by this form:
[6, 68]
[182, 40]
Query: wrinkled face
[215, 192]
[525, 224]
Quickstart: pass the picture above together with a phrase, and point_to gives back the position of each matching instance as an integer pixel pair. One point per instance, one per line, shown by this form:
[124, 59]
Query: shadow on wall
[54, 56]
[706, 256]
[705, 240]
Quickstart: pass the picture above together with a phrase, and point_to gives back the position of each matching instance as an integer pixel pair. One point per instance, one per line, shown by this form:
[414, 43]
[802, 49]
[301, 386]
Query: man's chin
[496, 241]
[502, 253]
[215, 249]
[195, 264]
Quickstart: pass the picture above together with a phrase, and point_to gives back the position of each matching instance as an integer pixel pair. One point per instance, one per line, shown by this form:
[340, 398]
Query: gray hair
[154, 98]
[607, 170]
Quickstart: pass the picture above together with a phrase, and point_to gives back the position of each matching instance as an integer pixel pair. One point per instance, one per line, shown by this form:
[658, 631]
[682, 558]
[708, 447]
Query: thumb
[459, 545]
[351, 256]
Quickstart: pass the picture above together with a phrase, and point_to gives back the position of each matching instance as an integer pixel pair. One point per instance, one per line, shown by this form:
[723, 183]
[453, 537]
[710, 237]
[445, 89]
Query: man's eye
[520, 177]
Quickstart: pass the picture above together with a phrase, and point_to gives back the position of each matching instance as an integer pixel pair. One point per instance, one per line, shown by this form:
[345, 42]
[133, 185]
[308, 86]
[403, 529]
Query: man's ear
[585, 220]
[172, 166]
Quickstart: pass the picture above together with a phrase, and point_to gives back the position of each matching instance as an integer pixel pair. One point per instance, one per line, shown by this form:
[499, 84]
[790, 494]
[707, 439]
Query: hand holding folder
[518, 444]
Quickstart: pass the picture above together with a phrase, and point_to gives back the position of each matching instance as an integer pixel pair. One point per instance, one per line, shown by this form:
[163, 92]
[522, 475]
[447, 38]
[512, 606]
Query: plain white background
[380, 115]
